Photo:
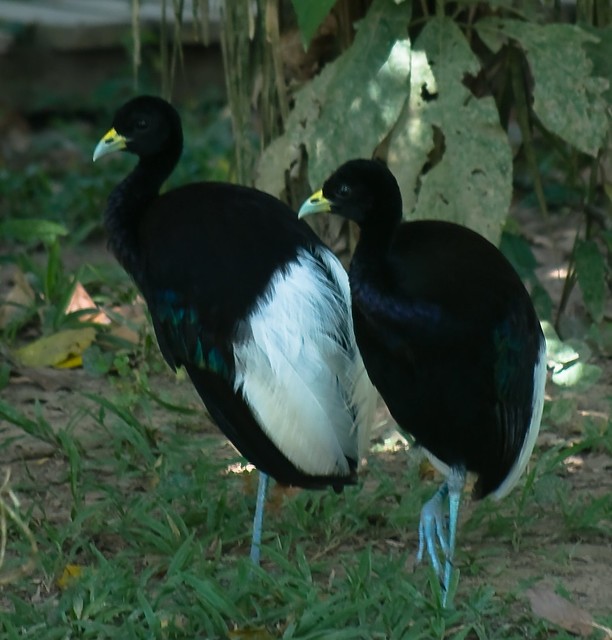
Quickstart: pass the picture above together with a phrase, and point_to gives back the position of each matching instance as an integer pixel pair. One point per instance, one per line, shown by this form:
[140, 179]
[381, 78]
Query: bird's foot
[433, 531]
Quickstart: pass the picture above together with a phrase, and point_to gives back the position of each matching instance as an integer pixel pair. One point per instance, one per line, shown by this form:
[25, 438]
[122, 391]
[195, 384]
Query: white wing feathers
[300, 371]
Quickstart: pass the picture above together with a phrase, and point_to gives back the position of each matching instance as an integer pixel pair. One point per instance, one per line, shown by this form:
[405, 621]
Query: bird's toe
[433, 534]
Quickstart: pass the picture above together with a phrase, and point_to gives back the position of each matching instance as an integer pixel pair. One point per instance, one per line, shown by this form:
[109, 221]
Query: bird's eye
[142, 124]
[344, 191]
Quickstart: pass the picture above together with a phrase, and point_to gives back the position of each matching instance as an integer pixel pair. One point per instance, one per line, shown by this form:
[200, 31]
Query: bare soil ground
[548, 550]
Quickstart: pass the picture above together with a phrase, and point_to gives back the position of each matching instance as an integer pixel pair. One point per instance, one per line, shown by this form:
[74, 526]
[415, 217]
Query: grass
[120, 519]
[161, 558]
[159, 532]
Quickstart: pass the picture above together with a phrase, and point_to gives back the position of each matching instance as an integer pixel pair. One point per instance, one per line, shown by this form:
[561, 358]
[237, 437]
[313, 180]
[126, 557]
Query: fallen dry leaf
[426, 470]
[123, 332]
[55, 349]
[81, 301]
[135, 316]
[277, 494]
[18, 300]
[70, 574]
[546, 604]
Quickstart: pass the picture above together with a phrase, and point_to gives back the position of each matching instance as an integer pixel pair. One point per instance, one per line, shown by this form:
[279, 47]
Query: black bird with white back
[246, 298]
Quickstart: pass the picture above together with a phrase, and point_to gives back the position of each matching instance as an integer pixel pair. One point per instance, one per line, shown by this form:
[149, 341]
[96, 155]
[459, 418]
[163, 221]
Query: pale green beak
[112, 141]
[317, 203]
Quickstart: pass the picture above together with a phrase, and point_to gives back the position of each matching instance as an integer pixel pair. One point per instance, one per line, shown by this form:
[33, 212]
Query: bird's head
[146, 126]
[364, 191]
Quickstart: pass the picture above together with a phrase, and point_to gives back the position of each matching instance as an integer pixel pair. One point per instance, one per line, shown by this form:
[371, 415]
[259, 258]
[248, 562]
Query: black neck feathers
[128, 202]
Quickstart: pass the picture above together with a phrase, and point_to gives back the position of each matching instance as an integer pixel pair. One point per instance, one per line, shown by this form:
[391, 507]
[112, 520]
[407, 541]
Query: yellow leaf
[70, 574]
[426, 470]
[53, 350]
[72, 362]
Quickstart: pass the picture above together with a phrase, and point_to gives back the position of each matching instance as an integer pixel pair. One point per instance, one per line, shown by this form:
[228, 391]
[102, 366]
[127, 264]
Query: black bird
[449, 337]
[247, 298]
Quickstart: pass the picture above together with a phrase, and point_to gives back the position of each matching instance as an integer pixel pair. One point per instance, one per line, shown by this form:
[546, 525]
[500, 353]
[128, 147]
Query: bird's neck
[373, 246]
[368, 266]
[127, 205]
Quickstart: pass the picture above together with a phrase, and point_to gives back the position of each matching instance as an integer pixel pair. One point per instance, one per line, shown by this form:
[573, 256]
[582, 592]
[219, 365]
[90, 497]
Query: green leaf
[567, 97]
[591, 272]
[562, 410]
[38, 428]
[598, 334]
[310, 15]
[600, 54]
[348, 109]
[519, 253]
[469, 180]
[97, 362]
[32, 231]
[542, 301]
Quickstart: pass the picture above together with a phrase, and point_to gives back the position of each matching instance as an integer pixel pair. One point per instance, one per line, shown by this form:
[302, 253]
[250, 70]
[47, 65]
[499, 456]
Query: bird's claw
[432, 528]
[433, 525]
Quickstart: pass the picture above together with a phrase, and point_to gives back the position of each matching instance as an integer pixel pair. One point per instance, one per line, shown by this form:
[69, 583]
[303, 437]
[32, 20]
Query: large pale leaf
[470, 182]
[348, 109]
[600, 53]
[567, 98]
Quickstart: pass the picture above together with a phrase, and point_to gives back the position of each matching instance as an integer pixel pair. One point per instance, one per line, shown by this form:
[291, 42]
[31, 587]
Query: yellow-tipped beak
[317, 203]
[112, 141]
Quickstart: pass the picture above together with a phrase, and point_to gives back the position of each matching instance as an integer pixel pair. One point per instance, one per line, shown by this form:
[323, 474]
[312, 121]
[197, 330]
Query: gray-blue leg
[258, 519]
[432, 527]
[433, 530]
[455, 484]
